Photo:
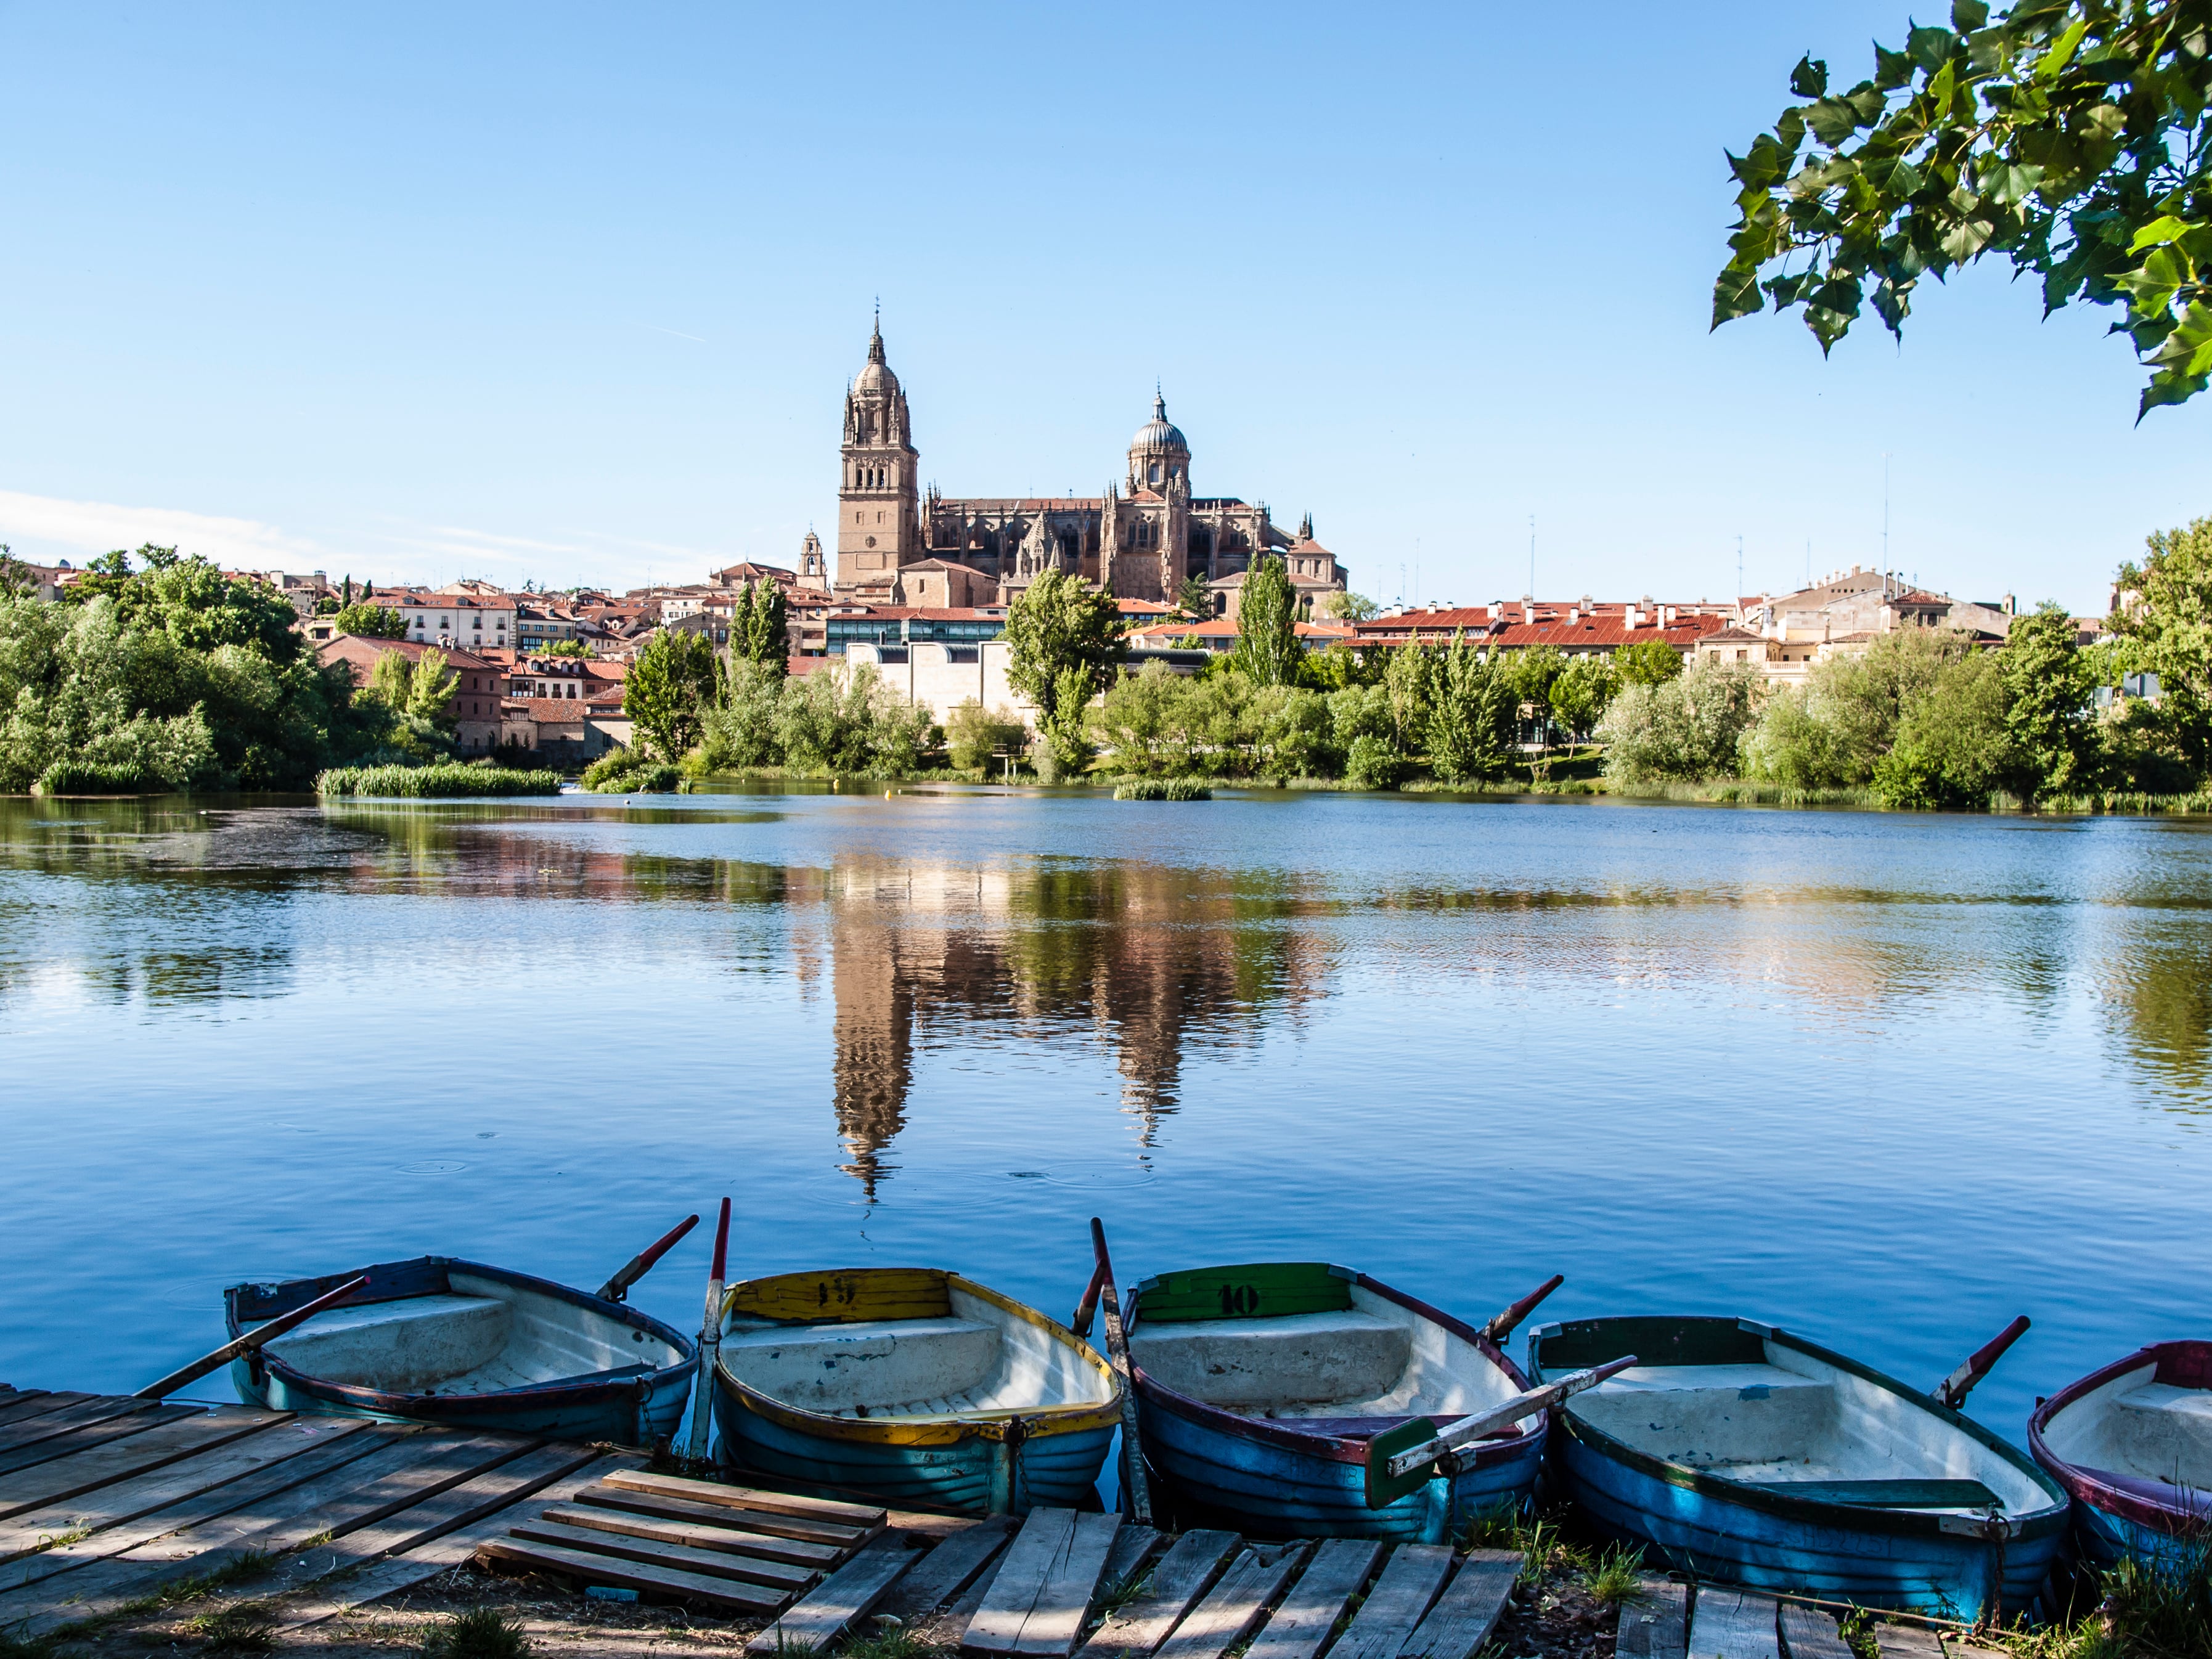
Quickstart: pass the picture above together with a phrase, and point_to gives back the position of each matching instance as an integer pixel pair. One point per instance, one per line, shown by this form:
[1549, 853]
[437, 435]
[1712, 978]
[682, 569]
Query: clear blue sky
[573, 293]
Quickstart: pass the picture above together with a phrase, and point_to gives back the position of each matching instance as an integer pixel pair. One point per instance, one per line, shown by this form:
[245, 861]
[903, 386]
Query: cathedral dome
[876, 375]
[1159, 434]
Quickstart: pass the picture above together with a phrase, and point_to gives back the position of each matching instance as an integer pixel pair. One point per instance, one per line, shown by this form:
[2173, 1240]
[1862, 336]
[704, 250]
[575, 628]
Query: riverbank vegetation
[442, 778]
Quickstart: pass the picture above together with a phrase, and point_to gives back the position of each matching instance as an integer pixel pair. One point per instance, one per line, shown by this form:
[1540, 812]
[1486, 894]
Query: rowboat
[1741, 1453]
[2132, 1442]
[913, 1385]
[1261, 1388]
[469, 1346]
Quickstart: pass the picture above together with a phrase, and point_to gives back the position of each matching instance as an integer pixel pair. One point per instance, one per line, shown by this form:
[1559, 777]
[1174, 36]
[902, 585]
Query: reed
[1616, 1576]
[1163, 789]
[447, 778]
[242, 1627]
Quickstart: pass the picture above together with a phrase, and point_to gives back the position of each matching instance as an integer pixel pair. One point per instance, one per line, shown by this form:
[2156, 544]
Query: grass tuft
[2145, 1613]
[895, 1642]
[241, 1627]
[1163, 789]
[15, 1646]
[479, 1633]
[1856, 1628]
[61, 1541]
[1617, 1575]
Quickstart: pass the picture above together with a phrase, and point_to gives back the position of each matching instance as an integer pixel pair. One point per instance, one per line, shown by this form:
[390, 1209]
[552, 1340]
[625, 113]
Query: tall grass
[1163, 789]
[479, 1633]
[445, 778]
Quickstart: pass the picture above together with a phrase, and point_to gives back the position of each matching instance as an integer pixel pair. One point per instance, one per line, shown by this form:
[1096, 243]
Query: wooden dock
[113, 1507]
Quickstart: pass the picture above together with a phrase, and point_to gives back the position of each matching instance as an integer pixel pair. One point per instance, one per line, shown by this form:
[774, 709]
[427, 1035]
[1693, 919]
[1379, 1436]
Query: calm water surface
[1884, 1080]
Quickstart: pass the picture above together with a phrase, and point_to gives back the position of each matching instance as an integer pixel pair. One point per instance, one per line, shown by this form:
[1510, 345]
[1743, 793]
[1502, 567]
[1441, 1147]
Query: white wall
[930, 676]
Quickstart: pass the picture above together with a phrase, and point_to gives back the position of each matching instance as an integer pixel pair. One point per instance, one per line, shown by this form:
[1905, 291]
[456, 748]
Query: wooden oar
[1501, 1327]
[1952, 1390]
[1401, 1460]
[251, 1340]
[1080, 1322]
[710, 1340]
[1136, 1498]
[617, 1288]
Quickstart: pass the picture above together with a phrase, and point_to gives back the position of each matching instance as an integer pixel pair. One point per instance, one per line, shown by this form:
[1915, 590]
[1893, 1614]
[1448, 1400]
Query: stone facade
[1140, 539]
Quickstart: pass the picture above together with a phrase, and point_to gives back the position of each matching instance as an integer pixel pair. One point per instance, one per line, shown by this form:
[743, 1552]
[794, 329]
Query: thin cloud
[99, 527]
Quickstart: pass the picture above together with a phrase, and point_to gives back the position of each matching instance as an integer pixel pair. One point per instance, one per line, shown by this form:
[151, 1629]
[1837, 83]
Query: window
[1156, 471]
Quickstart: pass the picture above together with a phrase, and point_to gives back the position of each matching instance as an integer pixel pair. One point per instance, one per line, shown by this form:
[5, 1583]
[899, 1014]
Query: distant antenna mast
[1885, 510]
[1532, 555]
[1738, 566]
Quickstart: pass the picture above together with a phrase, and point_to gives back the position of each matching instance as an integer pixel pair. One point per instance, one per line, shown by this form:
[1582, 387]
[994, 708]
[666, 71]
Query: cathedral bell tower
[879, 518]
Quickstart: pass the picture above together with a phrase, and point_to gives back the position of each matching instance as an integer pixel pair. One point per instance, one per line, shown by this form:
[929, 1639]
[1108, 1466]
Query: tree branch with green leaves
[2066, 136]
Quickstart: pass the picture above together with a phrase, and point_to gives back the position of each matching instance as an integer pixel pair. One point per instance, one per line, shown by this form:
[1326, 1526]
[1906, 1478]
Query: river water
[1882, 1079]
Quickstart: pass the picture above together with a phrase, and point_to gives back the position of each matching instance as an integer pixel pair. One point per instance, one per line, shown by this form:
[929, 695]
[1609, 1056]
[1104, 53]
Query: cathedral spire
[875, 337]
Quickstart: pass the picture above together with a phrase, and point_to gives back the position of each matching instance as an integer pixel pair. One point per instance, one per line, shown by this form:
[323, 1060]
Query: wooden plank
[1730, 1623]
[1180, 1577]
[110, 1423]
[1260, 1290]
[418, 1524]
[398, 1573]
[1297, 1629]
[1395, 1607]
[941, 1575]
[282, 1456]
[1133, 1545]
[1656, 1625]
[354, 1495]
[1809, 1633]
[1236, 1604]
[1905, 1641]
[840, 1601]
[63, 1412]
[21, 1407]
[627, 1574]
[64, 1477]
[728, 1540]
[844, 1297]
[158, 1489]
[714, 1564]
[1045, 1586]
[943, 1629]
[1460, 1622]
[840, 1538]
[860, 1515]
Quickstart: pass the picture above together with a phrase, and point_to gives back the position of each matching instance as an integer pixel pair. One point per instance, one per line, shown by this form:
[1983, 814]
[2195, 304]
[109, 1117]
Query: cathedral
[1142, 540]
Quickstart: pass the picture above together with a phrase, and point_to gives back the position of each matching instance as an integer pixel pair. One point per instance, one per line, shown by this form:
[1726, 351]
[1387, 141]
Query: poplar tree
[1267, 649]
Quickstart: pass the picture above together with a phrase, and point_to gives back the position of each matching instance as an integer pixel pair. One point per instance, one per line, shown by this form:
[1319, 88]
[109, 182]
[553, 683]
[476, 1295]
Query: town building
[1786, 635]
[479, 688]
[1141, 537]
[466, 620]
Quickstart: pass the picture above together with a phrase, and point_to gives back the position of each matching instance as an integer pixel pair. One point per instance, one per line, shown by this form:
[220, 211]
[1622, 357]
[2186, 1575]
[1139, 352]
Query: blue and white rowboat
[1739, 1453]
[2132, 1441]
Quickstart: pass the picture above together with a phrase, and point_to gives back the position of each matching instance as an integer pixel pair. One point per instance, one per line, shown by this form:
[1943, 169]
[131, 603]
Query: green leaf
[1967, 16]
[1736, 294]
[2054, 62]
[1892, 69]
[1866, 98]
[1987, 50]
[2163, 229]
[2009, 183]
[1832, 120]
[1929, 47]
[1810, 78]
[1966, 238]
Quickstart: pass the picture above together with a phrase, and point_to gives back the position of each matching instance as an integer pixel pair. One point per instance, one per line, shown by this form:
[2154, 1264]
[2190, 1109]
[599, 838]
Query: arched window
[1156, 471]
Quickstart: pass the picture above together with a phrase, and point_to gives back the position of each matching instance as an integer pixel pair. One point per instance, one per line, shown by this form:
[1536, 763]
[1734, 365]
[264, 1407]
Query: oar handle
[1501, 1326]
[710, 1338]
[1527, 1404]
[1136, 1495]
[253, 1339]
[617, 1288]
[1954, 1388]
[1080, 1322]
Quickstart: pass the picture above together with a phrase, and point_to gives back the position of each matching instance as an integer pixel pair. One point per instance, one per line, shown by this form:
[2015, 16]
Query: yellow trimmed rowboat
[914, 1385]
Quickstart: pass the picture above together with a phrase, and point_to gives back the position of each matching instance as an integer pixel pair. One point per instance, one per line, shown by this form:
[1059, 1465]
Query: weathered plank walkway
[110, 1508]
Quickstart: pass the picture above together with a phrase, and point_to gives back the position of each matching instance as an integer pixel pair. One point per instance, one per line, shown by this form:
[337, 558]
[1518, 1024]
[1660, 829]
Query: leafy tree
[1647, 662]
[567, 648]
[372, 622]
[1293, 734]
[671, 685]
[1267, 648]
[1347, 606]
[1058, 623]
[1194, 599]
[1474, 710]
[1406, 681]
[1063, 729]
[743, 733]
[14, 579]
[1373, 762]
[328, 605]
[1952, 748]
[1836, 728]
[1580, 695]
[2165, 618]
[2050, 692]
[1337, 666]
[1532, 671]
[759, 627]
[973, 734]
[2065, 135]
[1686, 727]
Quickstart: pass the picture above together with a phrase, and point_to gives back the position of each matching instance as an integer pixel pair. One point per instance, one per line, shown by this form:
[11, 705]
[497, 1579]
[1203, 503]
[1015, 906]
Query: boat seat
[878, 1364]
[403, 1348]
[1316, 1359]
[1709, 1414]
[2166, 1432]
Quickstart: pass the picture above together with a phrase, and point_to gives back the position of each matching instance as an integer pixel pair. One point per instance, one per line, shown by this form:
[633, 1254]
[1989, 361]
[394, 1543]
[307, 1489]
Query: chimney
[2011, 606]
[1574, 614]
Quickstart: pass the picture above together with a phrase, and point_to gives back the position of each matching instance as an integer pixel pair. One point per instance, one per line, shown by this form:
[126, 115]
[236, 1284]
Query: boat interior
[951, 1353]
[1371, 1358]
[481, 1336]
[2136, 1426]
[1795, 1424]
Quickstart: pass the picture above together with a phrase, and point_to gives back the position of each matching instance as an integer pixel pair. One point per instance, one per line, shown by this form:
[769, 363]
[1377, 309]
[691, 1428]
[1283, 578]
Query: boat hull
[2165, 1527]
[976, 1474]
[1948, 1575]
[1269, 1488]
[626, 1410]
